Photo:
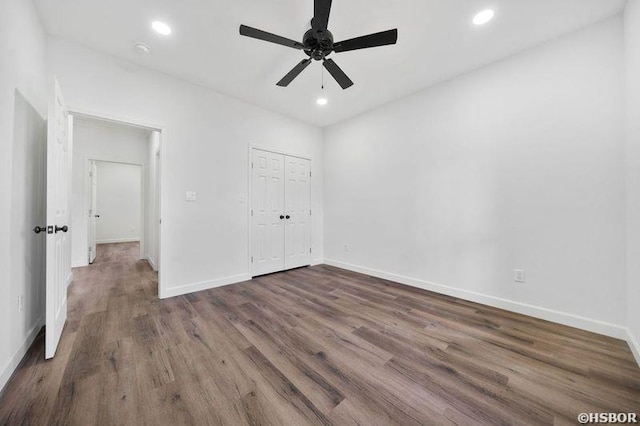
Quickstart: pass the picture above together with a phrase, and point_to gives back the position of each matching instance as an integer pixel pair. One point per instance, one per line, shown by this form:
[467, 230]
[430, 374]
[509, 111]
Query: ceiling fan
[318, 43]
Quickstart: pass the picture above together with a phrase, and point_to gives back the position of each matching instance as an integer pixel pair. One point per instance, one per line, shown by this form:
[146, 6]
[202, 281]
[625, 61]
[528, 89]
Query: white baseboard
[588, 324]
[204, 285]
[119, 240]
[151, 262]
[634, 345]
[13, 363]
[316, 262]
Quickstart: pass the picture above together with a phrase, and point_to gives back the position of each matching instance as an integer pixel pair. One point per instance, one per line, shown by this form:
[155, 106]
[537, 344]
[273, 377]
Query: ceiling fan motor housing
[318, 44]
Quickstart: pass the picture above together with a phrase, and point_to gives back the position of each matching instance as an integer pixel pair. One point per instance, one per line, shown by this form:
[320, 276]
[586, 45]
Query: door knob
[281, 217]
[288, 217]
[97, 215]
[61, 228]
[39, 229]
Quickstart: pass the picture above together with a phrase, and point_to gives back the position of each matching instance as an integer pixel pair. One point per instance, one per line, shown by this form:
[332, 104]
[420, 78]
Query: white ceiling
[436, 41]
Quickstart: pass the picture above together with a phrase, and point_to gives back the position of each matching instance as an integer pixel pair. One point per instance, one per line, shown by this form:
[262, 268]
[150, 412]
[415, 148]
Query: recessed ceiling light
[142, 48]
[483, 17]
[322, 101]
[161, 28]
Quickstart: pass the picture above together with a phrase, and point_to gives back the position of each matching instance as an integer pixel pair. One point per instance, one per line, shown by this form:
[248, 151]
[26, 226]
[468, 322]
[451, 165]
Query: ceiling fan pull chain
[322, 71]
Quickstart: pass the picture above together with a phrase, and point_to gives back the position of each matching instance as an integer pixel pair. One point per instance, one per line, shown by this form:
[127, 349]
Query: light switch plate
[191, 196]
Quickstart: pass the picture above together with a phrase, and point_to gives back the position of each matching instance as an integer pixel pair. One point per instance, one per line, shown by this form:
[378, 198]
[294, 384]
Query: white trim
[113, 118]
[588, 324]
[316, 262]
[151, 262]
[634, 345]
[80, 265]
[204, 285]
[119, 240]
[276, 151]
[15, 360]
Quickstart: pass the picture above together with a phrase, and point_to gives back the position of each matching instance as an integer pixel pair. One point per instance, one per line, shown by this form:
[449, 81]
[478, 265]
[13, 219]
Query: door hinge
[309, 212]
[251, 212]
[309, 249]
[251, 259]
[252, 165]
[309, 174]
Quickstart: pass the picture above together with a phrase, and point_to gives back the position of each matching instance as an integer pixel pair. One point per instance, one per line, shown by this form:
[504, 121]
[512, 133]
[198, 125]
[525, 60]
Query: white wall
[22, 139]
[204, 149]
[98, 140]
[516, 165]
[119, 202]
[632, 55]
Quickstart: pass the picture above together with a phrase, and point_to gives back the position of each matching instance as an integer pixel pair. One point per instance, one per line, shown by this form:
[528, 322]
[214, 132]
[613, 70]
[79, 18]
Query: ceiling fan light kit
[318, 44]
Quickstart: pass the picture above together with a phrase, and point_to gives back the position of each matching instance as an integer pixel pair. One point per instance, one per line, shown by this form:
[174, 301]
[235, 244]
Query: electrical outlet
[518, 275]
[20, 303]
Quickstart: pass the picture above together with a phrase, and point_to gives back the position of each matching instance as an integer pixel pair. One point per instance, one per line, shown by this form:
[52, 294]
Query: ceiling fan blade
[287, 79]
[321, 11]
[372, 40]
[337, 73]
[272, 38]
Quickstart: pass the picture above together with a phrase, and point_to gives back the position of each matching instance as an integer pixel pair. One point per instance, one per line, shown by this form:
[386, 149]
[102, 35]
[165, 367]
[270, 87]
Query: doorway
[116, 201]
[116, 187]
[76, 144]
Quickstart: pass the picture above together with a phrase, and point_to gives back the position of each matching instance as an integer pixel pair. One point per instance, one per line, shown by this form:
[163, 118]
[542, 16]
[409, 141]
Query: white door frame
[253, 147]
[156, 208]
[143, 193]
[162, 130]
[93, 217]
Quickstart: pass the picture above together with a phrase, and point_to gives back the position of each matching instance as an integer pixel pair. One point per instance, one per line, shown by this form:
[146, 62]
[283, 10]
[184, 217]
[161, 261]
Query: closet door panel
[298, 211]
[267, 207]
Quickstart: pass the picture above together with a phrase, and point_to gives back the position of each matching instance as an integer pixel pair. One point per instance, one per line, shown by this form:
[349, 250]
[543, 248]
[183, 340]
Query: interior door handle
[64, 228]
[96, 215]
[288, 217]
[281, 217]
[39, 229]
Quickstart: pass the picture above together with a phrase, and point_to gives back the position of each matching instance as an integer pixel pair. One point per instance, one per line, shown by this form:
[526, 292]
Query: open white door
[93, 214]
[58, 240]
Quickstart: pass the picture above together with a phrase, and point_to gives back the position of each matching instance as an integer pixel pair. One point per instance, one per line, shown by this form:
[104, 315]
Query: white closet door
[298, 212]
[268, 213]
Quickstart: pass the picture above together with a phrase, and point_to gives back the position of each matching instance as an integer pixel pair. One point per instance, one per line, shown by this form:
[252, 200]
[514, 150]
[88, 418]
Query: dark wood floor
[311, 346]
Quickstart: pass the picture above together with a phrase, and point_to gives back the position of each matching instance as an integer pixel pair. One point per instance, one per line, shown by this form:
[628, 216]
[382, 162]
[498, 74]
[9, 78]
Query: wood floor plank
[311, 346]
